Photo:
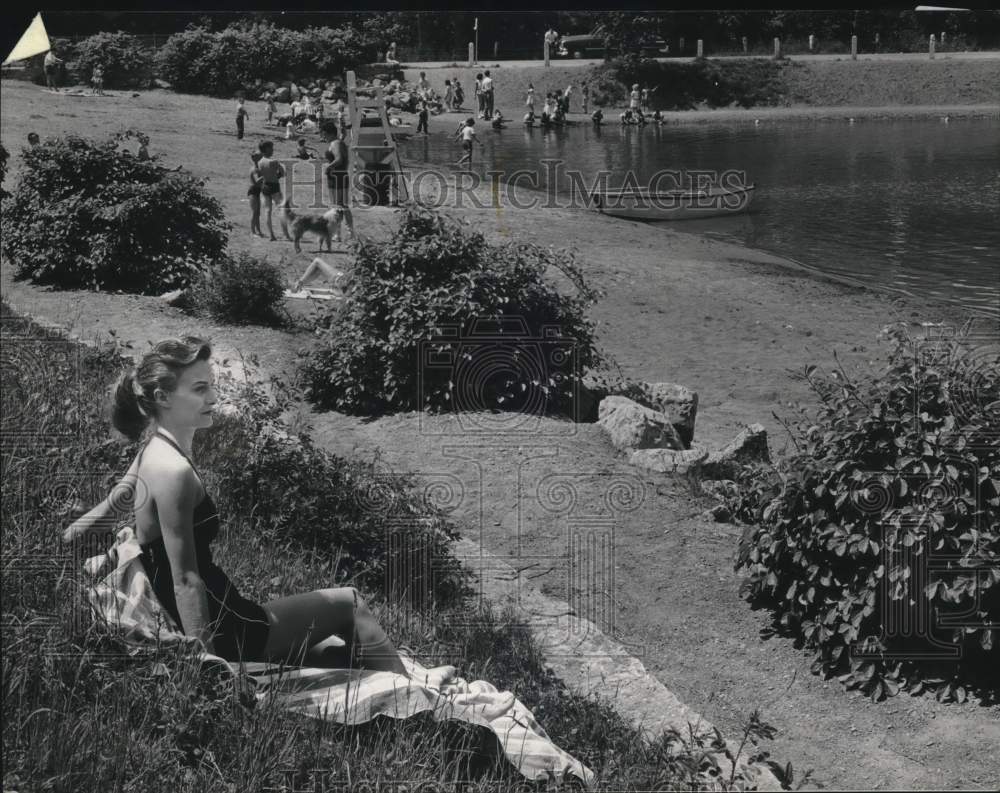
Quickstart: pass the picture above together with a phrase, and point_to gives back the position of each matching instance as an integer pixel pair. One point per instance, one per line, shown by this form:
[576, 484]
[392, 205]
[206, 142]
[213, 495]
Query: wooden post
[701, 49]
[496, 50]
[812, 42]
[745, 47]
[546, 52]
[777, 48]
[681, 52]
[472, 53]
[854, 48]
[931, 45]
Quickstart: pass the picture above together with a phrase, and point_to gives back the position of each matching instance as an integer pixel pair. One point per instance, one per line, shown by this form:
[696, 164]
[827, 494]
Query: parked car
[592, 46]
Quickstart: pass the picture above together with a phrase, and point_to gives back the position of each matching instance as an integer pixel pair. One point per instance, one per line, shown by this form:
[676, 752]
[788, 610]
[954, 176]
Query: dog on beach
[326, 226]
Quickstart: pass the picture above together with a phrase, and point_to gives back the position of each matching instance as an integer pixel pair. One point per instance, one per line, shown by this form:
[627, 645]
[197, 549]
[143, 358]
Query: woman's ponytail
[127, 415]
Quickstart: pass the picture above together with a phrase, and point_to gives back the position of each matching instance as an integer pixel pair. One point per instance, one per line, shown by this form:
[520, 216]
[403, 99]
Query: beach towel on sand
[123, 596]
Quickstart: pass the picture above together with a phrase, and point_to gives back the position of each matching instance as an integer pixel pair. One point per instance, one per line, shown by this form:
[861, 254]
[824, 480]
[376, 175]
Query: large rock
[633, 426]
[747, 447]
[669, 461]
[678, 404]
[281, 94]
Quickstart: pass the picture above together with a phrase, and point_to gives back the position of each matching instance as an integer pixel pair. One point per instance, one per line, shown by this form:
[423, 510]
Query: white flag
[34, 41]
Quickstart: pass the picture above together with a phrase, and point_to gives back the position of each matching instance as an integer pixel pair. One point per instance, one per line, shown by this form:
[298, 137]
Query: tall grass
[83, 711]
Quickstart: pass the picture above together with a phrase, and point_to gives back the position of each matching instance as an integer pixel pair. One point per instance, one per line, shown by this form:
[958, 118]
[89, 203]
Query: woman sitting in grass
[171, 393]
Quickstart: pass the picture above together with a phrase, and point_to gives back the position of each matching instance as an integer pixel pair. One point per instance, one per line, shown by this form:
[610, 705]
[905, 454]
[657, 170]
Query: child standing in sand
[272, 109]
[241, 115]
[529, 101]
[271, 174]
[254, 195]
[97, 80]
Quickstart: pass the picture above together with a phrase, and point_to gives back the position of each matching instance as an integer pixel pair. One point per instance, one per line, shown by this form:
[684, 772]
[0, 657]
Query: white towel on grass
[124, 598]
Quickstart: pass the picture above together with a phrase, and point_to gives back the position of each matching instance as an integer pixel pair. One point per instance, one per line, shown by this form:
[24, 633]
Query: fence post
[777, 48]
[931, 46]
[745, 49]
[546, 52]
[472, 52]
[812, 42]
[681, 43]
[701, 49]
[854, 48]
[496, 50]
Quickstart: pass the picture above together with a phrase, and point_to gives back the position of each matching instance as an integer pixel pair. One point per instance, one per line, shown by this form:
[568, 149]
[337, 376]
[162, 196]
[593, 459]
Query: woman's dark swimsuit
[241, 626]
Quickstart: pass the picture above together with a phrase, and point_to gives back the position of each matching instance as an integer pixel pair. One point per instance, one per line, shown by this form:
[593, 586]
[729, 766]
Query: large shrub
[90, 215]
[126, 63]
[440, 319]
[881, 533]
[241, 289]
[246, 53]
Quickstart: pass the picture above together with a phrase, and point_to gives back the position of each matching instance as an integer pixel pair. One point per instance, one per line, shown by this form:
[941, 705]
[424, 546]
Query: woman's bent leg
[299, 622]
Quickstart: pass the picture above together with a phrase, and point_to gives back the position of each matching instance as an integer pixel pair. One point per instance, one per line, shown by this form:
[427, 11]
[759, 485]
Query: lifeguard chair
[374, 164]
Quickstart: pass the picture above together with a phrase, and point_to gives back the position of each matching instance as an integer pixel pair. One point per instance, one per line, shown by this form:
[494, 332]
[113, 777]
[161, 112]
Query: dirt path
[718, 318]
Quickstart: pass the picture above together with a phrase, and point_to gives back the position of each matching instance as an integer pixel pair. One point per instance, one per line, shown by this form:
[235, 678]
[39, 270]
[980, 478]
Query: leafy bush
[89, 215]
[683, 86]
[307, 499]
[4, 156]
[126, 63]
[247, 53]
[241, 289]
[437, 292]
[893, 495]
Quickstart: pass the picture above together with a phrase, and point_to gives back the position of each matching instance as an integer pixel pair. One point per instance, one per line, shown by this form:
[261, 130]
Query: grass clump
[889, 506]
[241, 289]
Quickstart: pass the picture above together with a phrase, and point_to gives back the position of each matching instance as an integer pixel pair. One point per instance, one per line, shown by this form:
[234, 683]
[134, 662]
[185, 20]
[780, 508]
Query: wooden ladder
[356, 165]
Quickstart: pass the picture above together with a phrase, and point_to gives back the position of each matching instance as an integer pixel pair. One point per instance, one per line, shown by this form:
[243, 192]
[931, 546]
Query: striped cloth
[123, 597]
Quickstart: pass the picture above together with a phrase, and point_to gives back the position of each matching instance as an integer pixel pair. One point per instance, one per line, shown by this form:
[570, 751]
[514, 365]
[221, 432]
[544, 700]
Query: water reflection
[909, 204]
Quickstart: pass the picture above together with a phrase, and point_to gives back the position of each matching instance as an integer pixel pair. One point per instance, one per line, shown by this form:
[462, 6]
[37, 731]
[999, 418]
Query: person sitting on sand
[170, 396]
[143, 148]
[304, 152]
[33, 139]
[497, 121]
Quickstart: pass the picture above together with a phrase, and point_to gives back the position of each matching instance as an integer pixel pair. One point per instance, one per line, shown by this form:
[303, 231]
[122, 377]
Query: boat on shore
[677, 204]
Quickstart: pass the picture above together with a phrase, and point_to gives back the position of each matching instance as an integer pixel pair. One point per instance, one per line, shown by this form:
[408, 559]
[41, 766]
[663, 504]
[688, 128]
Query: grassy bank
[788, 83]
[84, 714]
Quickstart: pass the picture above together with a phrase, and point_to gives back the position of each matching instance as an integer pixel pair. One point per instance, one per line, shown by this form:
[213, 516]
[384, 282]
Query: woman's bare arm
[177, 492]
[102, 518]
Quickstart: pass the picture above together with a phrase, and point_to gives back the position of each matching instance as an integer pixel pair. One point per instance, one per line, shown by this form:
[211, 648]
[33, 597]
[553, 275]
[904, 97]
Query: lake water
[904, 205]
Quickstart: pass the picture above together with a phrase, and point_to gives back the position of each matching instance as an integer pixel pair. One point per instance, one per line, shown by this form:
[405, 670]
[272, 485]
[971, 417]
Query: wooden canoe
[681, 204]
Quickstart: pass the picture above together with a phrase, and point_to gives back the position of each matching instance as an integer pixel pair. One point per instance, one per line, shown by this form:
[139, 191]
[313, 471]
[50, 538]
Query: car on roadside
[592, 46]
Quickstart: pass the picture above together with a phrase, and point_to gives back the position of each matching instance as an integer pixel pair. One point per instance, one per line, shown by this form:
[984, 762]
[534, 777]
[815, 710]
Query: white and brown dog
[326, 226]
